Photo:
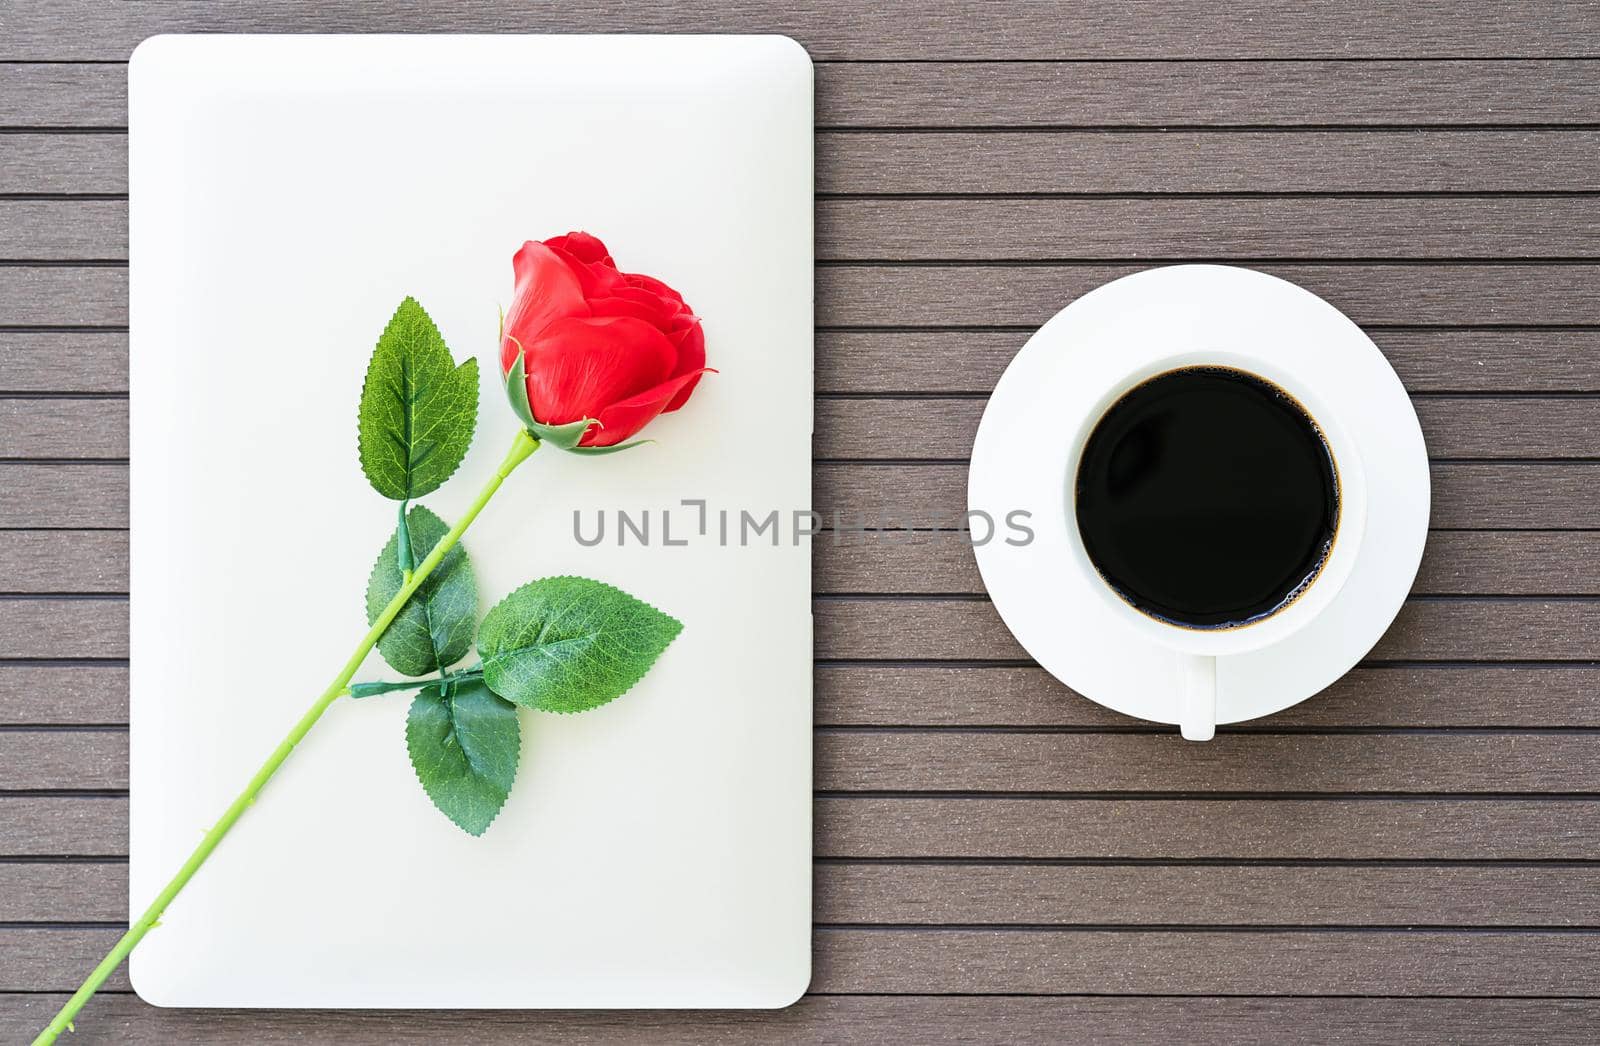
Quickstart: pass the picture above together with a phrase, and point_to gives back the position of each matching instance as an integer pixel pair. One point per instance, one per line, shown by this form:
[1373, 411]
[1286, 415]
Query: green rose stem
[524, 445]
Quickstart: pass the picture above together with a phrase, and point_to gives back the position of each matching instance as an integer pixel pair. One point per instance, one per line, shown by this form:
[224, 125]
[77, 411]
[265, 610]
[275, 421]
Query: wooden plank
[38, 561]
[63, 230]
[1495, 496]
[1490, 496]
[945, 361]
[45, 759]
[63, 428]
[1034, 230]
[1497, 428]
[836, 1020]
[967, 361]
[52, 94]
[1050, 94]
[1307, 962]
[1372, 698]
[949, 29]
[56, 826]
[1031, 895]
[1444, 630]
[78, 495]
[1424, 962]
[81, 694]
[1298, 829]
[65, 163]
[1538, 563]
[987, 762]
[1205, 94]
[865, 295]
[1199, 895]
[945, 629]
[1418, 828]
[946, 761]
[52, 627]
[63, 361]
[943, 696]
[1198, 162]
[1093, 162]
[79, 892]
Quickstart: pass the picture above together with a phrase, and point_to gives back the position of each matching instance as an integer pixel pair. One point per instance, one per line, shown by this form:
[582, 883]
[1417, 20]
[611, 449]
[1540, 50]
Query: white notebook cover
[286, 193]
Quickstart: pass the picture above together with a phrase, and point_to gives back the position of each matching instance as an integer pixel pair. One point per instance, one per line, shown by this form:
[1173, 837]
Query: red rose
[596, 342]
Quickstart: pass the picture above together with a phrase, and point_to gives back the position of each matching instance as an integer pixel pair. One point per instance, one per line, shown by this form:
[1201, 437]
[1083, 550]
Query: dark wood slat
[943, 428]
[1187, 94]
[836, 1020]
[1312, 962]
[1035, 94]
[900, 761]
[1480, 696]
[1505, 361]
[1025, 229]
[1532, 360]
[1420, 828]
[63, 361]
[986, 295]
[1228, 895]
[1428, 696]
[63, 561]
[78, 495]
[58, 893]
[72, 694]
[48, 94]
[1133, 895]
[85, 29]
[1465, 496]
[1153, 228]
[33, 760]
[1536, 563]
[39, 162]
[1424, 631]
[978, 295]
[1498, 428]
[63, 428]
[937, 629]
[1478, 161]
[1303, 963]
[1200, 162]
[1346, 829]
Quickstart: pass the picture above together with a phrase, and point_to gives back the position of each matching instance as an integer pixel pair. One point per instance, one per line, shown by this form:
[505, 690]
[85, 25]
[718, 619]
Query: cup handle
[1197, 708]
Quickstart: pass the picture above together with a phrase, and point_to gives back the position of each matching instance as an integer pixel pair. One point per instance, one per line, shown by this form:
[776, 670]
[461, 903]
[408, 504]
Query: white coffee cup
[1195, 689]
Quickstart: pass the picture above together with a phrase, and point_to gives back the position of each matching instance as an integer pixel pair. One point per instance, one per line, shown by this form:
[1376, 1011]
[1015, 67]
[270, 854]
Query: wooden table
[1410, 856]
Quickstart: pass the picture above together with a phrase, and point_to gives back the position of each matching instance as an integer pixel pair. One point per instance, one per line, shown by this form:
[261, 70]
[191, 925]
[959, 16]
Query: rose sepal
[564, 437]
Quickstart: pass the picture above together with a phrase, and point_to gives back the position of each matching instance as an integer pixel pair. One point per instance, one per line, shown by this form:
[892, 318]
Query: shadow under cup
[1207, 497]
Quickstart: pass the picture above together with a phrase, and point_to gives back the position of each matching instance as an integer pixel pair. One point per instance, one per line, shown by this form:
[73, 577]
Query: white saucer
[1019, 462]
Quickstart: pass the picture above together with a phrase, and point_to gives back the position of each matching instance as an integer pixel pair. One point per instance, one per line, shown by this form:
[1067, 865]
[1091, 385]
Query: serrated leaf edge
[405, 729]
[676, 632]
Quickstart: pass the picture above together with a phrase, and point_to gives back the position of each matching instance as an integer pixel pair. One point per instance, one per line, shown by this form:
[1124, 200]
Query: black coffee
[1207, 497]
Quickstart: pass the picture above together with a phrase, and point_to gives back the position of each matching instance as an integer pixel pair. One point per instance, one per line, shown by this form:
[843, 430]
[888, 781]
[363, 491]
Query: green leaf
[569, 644]
[418, 409]
[464, 748]
[434, 629]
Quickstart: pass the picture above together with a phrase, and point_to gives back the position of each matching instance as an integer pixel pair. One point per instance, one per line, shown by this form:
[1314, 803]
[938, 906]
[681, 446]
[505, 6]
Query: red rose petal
[546, 290]
[579, 366]
[585, 247]
[623, 420]
[691, 344]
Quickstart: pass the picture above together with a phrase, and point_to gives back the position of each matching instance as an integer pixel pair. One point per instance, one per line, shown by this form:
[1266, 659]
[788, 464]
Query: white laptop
[286, 194]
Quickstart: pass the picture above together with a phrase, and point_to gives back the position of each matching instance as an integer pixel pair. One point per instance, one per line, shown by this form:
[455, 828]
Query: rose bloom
[597, 342]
